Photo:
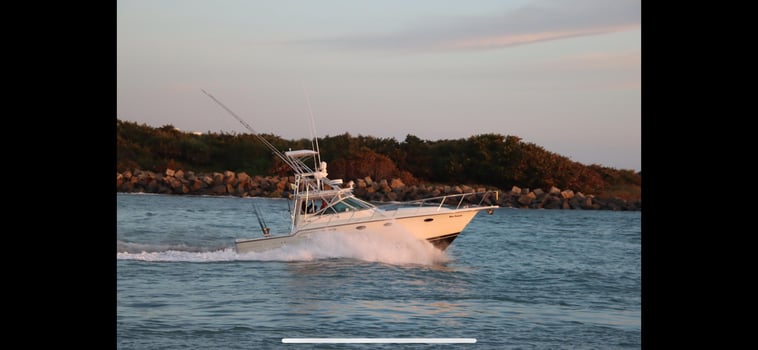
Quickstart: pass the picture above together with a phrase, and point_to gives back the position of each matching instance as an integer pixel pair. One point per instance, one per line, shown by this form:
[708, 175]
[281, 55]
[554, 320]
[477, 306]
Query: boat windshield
[348, 204]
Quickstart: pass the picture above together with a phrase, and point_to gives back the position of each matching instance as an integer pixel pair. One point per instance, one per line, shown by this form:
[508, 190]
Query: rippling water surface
[527, 279]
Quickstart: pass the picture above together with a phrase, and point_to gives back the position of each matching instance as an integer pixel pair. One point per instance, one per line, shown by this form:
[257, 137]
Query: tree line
[486, 159]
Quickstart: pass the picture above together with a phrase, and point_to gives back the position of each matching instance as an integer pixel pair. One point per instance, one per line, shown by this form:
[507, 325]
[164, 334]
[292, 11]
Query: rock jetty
[241, 184]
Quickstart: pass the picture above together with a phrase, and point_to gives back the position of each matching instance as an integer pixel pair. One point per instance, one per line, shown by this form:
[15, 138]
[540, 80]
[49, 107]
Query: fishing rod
[261, 221]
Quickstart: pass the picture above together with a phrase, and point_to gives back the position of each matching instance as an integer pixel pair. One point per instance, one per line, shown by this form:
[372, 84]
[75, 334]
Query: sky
[562, 74]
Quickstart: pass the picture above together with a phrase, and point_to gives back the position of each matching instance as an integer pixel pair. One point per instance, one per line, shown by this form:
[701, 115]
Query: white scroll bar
[379, 340]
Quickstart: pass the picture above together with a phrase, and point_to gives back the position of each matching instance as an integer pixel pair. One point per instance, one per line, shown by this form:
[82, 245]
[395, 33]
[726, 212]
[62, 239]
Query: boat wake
[176, 253]
[395, 248]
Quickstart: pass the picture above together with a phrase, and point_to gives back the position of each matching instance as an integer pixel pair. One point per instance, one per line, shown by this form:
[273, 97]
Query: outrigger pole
[273, 149]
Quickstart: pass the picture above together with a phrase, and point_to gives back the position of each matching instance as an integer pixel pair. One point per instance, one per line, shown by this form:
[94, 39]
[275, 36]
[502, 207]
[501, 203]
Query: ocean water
[517, 279]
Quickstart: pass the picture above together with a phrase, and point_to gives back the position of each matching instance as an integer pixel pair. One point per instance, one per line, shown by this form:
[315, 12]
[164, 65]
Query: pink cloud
[528, 38]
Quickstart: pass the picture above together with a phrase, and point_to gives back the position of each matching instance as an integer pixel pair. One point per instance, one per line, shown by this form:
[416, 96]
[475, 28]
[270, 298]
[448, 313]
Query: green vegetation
[488, 159]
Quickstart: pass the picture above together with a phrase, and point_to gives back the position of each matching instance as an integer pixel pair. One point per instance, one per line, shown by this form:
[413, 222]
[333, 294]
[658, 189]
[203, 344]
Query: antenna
[314, 141]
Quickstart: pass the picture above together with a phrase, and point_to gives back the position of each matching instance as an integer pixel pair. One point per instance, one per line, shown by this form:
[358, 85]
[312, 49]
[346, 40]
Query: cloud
[505, 40]
[597, 61]
[538, 21]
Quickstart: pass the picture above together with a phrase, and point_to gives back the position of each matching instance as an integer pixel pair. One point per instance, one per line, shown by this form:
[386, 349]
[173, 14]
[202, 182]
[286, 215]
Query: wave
[395, 248]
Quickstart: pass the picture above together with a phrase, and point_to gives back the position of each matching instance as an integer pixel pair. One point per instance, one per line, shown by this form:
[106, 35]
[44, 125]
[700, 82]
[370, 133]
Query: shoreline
[241, 184]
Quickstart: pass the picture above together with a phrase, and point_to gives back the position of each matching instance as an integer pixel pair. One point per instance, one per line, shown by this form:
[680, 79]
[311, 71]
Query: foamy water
[396, 247]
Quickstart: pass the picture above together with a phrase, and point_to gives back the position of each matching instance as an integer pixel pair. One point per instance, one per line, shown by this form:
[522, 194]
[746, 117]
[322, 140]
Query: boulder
[175, 184]
[142, 177]
[360, 192]
[243, 177]
[526, 199]
[397, 184]
[183, 189]
[169, 172]
[281, 186]
[229, 177]
[567, 194]
[551, 202]
[197, 185]
[127, 187]
[554, 190]
[164, 189]
[617, 204]
[218, 190]
[384, 186]
[377, 197]
[218, 179]
[516, 191]
[152, 186]
[575, 202]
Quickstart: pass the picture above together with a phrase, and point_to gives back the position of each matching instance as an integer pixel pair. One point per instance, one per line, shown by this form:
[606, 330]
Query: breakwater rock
[241, 184]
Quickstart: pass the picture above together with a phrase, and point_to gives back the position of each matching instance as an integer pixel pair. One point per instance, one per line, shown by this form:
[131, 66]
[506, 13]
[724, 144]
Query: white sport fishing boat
[320, 205]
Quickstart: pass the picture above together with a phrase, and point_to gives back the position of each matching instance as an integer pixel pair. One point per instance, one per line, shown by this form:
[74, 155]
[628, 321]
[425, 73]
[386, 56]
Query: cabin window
[347, 204]
[355, 203]
[340, 207]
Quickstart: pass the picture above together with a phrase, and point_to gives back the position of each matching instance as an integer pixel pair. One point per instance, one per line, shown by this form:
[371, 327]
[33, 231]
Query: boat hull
[443, 242]
[437, 226]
